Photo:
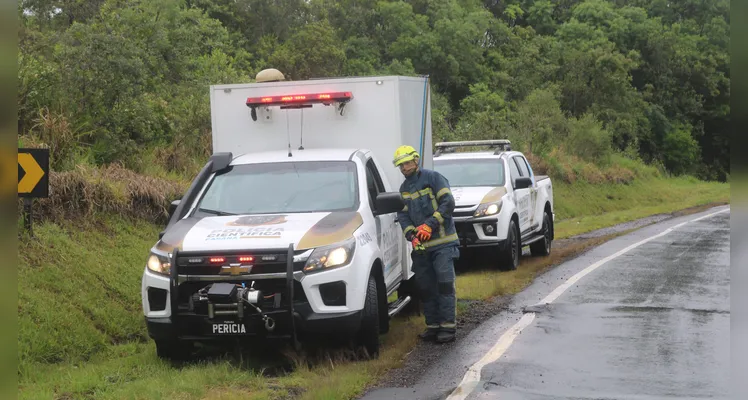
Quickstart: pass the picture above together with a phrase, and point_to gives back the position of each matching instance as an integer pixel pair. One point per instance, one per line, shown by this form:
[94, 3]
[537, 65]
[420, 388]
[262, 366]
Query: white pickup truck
[290, 229]
[500, 203]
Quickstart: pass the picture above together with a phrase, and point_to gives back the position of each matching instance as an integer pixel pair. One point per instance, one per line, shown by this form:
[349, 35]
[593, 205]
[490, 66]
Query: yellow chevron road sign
[33, 172]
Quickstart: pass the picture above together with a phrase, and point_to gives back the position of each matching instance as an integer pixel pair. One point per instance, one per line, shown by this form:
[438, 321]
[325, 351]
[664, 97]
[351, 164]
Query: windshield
[472, 172]
[287, 187]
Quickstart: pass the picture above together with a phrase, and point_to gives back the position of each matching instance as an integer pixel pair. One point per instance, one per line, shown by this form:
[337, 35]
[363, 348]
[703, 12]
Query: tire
[173, 350]
[368, 334]
[509, 259]
[543, 247]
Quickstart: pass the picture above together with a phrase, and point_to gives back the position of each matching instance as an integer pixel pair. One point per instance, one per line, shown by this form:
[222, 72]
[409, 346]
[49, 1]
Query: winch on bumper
[264, 300]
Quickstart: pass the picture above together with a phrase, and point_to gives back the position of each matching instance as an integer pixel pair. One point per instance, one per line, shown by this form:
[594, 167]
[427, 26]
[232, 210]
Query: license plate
[228, 328]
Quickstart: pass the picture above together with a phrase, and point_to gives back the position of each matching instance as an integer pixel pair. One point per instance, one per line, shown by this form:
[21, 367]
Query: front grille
[463, 211]
[264, 262]
[266, 268]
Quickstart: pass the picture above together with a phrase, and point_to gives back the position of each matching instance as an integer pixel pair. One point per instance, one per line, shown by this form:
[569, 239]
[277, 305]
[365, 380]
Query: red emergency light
[299, 99]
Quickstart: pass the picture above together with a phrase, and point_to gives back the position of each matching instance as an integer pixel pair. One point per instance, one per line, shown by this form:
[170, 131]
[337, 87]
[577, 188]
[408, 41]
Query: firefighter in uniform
[427, 223]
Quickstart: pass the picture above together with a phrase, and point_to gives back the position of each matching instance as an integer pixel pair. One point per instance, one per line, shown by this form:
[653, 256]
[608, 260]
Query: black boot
[446, 335]
[429, 335]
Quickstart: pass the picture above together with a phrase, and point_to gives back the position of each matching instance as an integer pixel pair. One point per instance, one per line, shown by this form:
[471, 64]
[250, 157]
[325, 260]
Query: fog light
[489, 229]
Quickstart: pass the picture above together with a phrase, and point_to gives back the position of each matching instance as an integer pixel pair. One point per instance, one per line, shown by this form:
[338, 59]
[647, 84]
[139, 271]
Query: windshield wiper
[215, 212]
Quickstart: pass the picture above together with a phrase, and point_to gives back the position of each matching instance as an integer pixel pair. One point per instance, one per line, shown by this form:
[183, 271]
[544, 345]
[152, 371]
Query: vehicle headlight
[328, 257]
[488, 209]
[159, 263]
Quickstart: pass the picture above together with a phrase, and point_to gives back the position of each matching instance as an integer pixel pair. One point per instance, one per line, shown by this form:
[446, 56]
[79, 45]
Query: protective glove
[417, 246]
[423, 232]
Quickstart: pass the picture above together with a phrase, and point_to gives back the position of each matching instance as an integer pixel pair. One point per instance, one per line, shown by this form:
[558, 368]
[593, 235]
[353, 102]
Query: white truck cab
[499, 201]
[290, 229]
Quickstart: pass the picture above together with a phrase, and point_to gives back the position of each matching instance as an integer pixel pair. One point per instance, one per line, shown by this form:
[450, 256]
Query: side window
[377, 179]
[522, 166]
[529, 168]
[373, 183]
[513, 171]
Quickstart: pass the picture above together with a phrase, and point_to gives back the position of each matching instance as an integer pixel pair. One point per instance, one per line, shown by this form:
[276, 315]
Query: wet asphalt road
[651, 323]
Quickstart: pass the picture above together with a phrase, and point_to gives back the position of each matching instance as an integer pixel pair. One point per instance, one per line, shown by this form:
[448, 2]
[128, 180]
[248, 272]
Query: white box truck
[291, 229]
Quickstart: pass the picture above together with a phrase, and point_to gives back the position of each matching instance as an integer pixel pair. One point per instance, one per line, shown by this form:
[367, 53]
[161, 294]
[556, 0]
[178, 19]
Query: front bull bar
[174, 290]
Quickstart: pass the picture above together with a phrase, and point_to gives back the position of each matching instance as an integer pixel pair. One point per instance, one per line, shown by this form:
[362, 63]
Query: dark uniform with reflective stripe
[428, 199]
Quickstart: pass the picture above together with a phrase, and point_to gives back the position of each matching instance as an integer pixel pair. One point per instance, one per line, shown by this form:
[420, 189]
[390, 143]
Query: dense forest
[103, 81]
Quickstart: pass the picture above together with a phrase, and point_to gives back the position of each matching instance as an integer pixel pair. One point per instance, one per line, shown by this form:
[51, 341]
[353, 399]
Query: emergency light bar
[445, 147]
[299, 99]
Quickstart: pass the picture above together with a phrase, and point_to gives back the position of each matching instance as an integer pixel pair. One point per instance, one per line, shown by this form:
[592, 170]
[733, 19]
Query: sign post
[33, 179]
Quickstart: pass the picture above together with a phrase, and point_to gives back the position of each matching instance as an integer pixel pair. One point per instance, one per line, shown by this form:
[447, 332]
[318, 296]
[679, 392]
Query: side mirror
[173, 207]
[522, 183]
[387, 203]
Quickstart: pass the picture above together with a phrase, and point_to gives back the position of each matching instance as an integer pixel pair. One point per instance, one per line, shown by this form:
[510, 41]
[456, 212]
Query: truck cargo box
[377, 113]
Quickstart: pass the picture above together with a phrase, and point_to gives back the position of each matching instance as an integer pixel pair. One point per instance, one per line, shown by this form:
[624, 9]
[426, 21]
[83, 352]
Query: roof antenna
[301, 146]
[289, 136]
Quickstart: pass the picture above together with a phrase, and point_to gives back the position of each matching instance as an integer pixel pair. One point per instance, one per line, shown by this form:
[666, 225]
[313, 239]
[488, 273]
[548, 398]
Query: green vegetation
[126, 81]
[590, 207]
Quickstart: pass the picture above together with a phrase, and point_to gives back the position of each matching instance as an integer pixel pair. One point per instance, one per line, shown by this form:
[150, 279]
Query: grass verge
[581, 207]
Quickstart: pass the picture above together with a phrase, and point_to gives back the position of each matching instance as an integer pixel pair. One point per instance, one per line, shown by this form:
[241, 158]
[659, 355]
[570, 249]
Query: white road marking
[471, 379]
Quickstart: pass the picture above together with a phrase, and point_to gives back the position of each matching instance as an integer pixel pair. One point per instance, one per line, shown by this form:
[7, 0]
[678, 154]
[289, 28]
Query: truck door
[388, 230]
[521, 196]
[524, 170]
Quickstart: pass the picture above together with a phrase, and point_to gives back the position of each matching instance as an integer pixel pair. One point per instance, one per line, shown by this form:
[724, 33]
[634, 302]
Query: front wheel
[543, 247]
[368, 334]
[509, 259]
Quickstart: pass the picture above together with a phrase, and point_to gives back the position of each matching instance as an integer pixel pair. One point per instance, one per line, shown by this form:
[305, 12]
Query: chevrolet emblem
[235, 270]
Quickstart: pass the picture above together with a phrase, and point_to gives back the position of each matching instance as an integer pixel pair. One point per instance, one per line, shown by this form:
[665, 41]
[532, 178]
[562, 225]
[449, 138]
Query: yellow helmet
[403, 154]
